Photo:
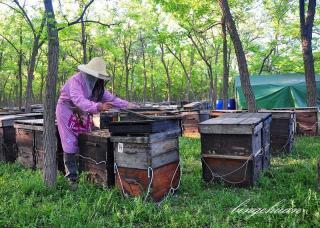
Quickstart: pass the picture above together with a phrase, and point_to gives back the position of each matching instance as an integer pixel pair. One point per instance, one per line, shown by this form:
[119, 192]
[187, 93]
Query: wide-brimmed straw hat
[96, 67]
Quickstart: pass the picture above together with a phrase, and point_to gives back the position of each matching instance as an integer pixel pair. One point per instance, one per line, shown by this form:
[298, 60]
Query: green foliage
[262, 27]
[26, 202]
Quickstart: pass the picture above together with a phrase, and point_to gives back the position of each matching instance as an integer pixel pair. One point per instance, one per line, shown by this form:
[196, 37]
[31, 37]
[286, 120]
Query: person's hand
[105, 106]
[131, 105]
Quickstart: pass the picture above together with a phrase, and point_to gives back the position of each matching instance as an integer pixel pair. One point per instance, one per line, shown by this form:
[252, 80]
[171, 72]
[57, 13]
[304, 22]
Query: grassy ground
[24, 201]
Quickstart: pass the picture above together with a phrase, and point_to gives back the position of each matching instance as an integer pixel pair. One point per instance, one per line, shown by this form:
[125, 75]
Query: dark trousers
[71, 167]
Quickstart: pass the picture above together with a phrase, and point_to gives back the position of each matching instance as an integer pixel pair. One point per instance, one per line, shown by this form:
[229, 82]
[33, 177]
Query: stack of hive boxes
[282, 130]
[235, 149]
[30, 143]
[146, 155]
[193, 114]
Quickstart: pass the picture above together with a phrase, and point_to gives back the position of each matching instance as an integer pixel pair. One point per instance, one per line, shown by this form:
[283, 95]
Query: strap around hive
[223, 176]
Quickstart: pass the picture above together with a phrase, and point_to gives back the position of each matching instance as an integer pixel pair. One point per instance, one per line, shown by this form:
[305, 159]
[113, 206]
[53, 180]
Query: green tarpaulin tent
[276, 91]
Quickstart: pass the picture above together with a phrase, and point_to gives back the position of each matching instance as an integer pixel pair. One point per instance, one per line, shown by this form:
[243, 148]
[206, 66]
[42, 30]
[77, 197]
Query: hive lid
[129, 114]
[7, 121]
[6, 113]
[32, 114]
[205, 112]
[230, 111]
[307, 109]
[262, 115]
[192, 105]
[97, 134]
[231, 126]
[30, 124]
[279, 114]
[143, 126]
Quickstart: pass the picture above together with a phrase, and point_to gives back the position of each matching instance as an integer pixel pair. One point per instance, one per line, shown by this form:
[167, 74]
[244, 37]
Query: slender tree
[225, 64]
[127, 49]
[50, 168]
[187, 73]
[241, 57]
[306, 25]
[37, 43]
[143, 47]
[199, 44]
[21, 56]
[166, 65]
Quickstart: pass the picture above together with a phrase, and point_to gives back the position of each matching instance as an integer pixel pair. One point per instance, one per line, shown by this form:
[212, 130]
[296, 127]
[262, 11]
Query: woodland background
[155, 50]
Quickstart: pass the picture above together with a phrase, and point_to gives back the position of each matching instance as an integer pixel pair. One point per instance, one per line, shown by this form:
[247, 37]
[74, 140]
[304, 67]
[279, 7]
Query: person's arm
[116, 101]
[78, 99]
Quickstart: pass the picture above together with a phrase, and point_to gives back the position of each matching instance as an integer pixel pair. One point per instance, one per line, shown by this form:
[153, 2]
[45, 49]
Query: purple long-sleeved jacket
[76, 95]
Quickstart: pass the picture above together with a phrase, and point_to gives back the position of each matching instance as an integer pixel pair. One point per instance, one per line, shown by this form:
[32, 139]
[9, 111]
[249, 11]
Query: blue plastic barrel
[219, 104]
[231, 104]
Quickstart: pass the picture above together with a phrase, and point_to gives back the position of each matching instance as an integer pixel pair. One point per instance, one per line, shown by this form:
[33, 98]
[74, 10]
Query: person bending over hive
[81, 96]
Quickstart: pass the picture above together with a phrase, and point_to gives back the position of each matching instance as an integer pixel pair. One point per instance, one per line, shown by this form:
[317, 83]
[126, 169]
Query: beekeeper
[81, 96]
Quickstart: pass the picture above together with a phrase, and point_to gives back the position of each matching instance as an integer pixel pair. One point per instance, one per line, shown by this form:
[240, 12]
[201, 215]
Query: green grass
[25, 201]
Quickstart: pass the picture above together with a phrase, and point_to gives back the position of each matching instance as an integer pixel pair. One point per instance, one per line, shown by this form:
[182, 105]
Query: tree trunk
[120, 80]
[201, 51]
[31, 68]
[90, 52]
[211, 86]
[114, 69]
[166, 67]
[215, 91]
[41, 86]
[144, 72]
[133, 92]
[153, 88]
[84, 41]
[127, 70]
[4, 90]
[126, 53]
[20, 62]
[306, 25]
[241, 58]
[225, 65]
[10, 101]
[20, 80]
[265, 60]
[186, 73]
[190, 76]
[127, 81]
[50, 144]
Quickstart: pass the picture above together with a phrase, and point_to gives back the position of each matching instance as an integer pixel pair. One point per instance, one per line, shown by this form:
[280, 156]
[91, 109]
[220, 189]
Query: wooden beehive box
[147, 113]
[193, 106]
[6, 113]
[307, 120]
[8, 151]
[103, 119]
[96, 157]
[146, 157]
[190, 121]
[151, 160]
[29, 138]
[196, 106]
[218, 113]
[142, 126]
[266, 119]
[282, 131]
[232, 150]
[32, 115]
[204, 115]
